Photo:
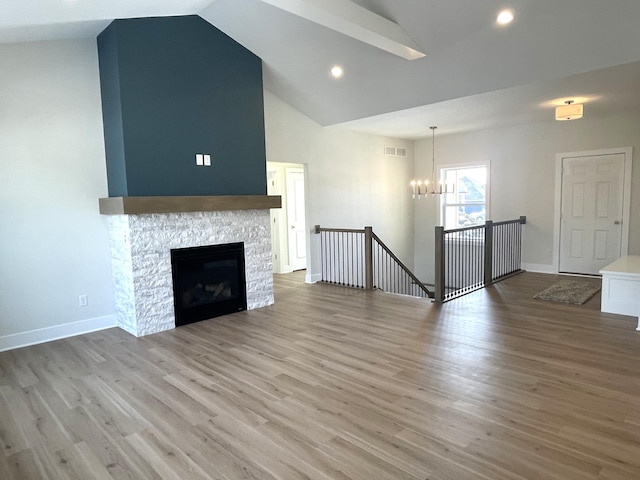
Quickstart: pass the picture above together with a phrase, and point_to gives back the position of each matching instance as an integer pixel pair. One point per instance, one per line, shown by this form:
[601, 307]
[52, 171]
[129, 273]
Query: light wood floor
[332, 383]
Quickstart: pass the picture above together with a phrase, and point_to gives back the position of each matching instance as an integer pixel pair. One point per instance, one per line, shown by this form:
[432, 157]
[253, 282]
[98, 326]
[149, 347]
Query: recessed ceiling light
[505, 17]
[336, 71]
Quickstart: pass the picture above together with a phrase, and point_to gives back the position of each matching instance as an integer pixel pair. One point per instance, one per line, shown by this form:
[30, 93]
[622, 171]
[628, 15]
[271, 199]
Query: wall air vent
[391, 151]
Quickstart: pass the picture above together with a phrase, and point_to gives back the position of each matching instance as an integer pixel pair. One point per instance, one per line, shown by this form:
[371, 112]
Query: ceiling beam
[355, 21]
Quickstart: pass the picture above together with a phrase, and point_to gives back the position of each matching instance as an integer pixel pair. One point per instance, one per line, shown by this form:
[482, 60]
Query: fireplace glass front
[208, 282]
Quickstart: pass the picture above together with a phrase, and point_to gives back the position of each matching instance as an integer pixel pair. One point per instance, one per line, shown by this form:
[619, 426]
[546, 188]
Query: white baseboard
[42, 335]
[313, 278]
[538, 268]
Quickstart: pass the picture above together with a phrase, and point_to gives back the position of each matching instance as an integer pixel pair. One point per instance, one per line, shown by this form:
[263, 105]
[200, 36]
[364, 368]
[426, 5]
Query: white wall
[351, 184]
[523, 159]
[52, 172]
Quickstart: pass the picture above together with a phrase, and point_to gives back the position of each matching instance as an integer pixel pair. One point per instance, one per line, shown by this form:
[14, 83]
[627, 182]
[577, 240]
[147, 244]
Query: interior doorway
[593, 211]
[288, 224]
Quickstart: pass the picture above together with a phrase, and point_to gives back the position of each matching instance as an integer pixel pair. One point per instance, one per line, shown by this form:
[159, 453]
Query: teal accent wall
[173, 87]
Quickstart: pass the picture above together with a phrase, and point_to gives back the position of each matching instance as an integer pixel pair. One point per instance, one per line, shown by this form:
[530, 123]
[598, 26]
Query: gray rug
[575, 292]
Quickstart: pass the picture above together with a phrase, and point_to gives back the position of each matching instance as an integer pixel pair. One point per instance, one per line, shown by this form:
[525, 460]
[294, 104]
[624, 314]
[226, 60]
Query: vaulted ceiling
[474, 74]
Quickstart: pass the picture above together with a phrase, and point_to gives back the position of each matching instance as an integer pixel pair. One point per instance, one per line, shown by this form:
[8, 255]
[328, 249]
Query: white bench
[621, 287]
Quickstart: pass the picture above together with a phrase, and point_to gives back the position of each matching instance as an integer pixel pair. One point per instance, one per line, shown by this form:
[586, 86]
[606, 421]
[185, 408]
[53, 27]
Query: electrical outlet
[83, 301]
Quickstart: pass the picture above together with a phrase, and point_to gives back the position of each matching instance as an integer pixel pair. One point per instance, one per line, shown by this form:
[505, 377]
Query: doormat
[575, 292]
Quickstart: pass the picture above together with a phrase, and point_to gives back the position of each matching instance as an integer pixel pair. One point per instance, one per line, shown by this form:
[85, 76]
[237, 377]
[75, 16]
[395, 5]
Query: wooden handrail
[402, 265]
[459, 264]
[368, 280]
[319, 229]
[522, 220]
[464, 229]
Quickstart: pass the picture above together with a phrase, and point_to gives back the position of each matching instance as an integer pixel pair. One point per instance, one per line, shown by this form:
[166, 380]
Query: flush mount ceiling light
[337, 71]
[569, 111]
[505, 17]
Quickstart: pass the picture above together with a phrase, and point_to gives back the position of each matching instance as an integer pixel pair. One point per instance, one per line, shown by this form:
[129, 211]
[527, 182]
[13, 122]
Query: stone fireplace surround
[141, 259]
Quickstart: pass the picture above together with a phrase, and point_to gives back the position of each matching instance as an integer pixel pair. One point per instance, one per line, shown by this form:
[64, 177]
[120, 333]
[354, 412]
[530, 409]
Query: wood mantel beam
[142, 205]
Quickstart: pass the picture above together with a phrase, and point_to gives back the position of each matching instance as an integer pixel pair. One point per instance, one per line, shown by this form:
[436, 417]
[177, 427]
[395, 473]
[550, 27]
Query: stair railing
[470, 258]
[360, 259]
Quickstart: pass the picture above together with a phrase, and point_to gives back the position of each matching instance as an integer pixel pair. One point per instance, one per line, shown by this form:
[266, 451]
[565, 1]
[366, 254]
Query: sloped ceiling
[474, 74]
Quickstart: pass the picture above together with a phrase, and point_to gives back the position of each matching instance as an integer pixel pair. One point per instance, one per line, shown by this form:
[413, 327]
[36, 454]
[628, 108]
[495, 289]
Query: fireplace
[208, 281]
[159, 199]
[141, 245]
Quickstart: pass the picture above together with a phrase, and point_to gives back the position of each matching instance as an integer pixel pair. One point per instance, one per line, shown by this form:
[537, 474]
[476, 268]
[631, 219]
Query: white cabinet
[621, 287]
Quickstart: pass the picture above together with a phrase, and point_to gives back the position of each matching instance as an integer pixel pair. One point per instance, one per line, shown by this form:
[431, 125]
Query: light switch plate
[207, 160]
[199, 159]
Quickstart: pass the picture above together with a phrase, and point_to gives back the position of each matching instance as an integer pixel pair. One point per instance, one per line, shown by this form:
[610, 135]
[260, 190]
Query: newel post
[368, 258]
[438, 294]
[488, 253]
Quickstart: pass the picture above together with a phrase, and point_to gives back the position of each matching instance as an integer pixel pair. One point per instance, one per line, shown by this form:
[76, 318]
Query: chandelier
[430, 187]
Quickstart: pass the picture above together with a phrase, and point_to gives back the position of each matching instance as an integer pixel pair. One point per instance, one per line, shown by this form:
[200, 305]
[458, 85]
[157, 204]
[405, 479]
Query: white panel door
[296, 218]
[591, 212]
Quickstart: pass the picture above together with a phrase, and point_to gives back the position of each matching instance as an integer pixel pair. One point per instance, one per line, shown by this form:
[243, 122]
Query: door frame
[626, 197]
[288, 170]
[278, 218]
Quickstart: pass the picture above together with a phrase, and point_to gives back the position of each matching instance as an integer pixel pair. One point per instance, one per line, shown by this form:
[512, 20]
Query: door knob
[617, 222]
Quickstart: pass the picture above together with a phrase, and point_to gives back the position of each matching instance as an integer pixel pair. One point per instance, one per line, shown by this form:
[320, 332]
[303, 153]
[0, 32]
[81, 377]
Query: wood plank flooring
[333, 383]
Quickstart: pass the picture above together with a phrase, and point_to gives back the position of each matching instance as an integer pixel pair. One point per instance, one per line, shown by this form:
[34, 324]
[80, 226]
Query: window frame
[459, 166]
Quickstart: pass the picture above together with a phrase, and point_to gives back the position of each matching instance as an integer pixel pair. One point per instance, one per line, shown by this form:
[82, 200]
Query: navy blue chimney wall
[174, 87]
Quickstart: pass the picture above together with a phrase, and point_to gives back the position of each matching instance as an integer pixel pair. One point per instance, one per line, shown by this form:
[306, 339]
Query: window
[467, 205]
